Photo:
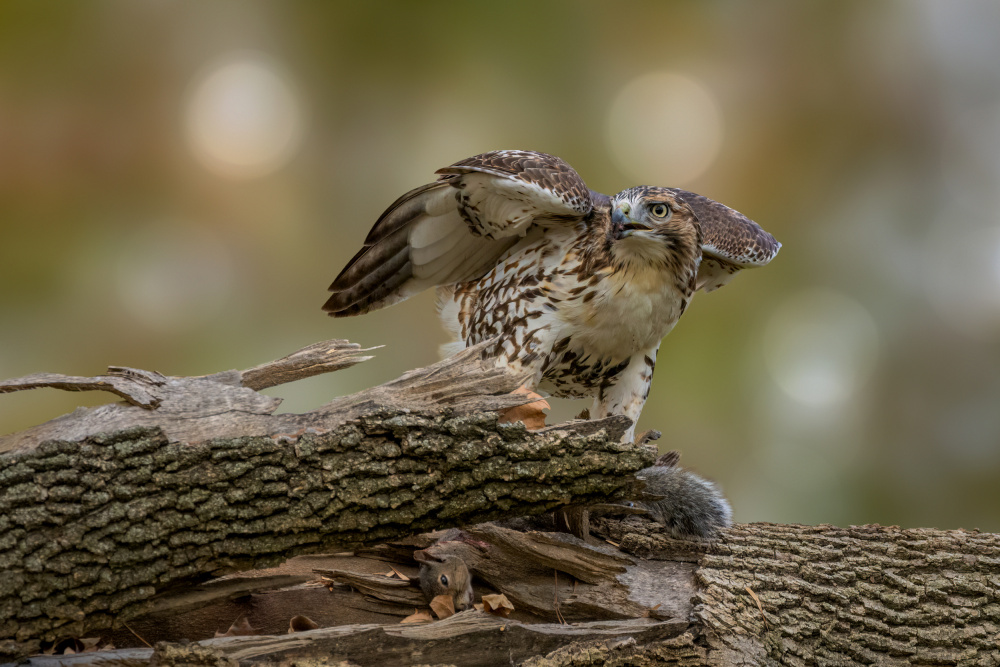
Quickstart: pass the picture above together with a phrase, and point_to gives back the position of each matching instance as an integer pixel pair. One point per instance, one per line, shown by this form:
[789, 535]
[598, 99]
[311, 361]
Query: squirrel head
[445, 575]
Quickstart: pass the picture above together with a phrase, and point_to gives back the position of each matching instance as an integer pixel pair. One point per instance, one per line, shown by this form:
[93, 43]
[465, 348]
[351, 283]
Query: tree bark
[193, 478]
[96, 527]
[762, 594]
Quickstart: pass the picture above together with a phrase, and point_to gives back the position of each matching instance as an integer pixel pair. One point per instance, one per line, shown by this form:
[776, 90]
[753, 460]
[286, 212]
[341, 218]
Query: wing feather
[364, 281]
[426, 200]
[731, 241]
[455, 229]
[441, 267]
[432, 230]
[424, 248]
[554, 185]
[485, 254]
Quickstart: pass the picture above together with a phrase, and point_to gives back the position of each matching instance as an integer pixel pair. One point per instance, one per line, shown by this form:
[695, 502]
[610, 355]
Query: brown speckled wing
[730, 241]
[728, 234]
[455, 229]
[546, 172]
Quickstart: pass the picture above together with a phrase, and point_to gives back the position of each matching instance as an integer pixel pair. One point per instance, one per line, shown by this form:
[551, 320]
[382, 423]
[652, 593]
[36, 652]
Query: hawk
[578, 288]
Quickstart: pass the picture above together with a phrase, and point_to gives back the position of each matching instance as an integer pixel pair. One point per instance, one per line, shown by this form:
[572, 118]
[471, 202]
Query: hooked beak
[622, 222]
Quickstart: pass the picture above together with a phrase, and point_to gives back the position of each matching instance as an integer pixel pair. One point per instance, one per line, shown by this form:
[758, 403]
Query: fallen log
[193, 478]
[99, 527]
[469, 636]
[762, 594]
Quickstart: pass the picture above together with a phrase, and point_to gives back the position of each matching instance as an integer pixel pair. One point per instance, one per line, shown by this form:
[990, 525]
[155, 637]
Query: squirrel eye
[660, 210]
[444, 579]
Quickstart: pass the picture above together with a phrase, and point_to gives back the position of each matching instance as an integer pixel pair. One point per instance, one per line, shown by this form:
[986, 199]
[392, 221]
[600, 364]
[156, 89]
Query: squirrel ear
[424, 556]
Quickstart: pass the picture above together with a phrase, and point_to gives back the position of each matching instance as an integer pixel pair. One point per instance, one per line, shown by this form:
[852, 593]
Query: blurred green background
[180, 181]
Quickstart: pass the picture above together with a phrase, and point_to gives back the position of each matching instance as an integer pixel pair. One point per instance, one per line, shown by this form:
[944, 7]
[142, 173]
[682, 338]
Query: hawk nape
[577, 287]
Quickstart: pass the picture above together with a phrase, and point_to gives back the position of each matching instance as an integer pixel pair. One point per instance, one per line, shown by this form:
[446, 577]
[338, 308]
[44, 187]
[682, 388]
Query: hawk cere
[577, 287]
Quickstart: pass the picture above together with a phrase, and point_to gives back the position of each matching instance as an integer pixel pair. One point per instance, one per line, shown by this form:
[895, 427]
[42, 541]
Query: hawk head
[653, 225]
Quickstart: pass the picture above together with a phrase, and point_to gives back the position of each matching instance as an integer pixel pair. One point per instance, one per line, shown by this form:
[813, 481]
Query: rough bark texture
[840, 596]
[828, 596]
[91, 530]
[192, 478]
[854, 596]
[94, 525]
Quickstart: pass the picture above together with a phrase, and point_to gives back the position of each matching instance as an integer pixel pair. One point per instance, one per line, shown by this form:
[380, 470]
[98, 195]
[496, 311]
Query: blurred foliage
[863, 135]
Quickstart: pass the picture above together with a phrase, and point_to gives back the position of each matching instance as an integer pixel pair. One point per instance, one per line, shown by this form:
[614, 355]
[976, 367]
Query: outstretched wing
[731, 241]
[455, 229]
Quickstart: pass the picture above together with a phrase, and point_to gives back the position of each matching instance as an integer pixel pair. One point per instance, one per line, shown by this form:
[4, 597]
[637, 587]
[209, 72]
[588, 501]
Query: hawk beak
[622, 223]
[618, 218]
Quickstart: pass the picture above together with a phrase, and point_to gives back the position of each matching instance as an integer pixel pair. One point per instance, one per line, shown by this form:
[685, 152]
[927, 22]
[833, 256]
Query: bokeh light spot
[664, 129]
[820, 346]
[243, 118]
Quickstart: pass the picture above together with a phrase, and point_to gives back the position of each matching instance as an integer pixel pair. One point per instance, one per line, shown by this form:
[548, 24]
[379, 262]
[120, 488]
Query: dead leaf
[497, 605]
[90, 644]
[68, 646]
[393, 573]
[239, 628]
[478, 606]
[301, 624]
[532, 414]
[656, 614]
[443, 606]
[419, 616]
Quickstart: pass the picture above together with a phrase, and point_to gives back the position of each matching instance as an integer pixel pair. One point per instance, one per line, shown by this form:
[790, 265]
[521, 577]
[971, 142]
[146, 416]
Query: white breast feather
[630, 313]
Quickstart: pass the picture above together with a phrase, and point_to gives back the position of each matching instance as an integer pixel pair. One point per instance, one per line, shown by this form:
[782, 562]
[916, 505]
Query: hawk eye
[660, 210]
[444, 579]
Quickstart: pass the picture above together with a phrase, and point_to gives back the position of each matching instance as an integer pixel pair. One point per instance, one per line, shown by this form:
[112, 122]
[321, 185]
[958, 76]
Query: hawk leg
[629, 391]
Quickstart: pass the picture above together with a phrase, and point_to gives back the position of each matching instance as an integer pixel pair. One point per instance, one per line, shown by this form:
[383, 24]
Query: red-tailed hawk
[578, 287]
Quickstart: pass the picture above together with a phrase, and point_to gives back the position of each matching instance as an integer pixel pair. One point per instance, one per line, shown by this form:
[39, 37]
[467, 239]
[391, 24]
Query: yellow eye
[660, 210]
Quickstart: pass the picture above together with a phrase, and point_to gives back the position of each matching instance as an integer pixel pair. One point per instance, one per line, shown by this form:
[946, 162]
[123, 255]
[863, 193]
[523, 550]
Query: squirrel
[691, 505]
[445, 575]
